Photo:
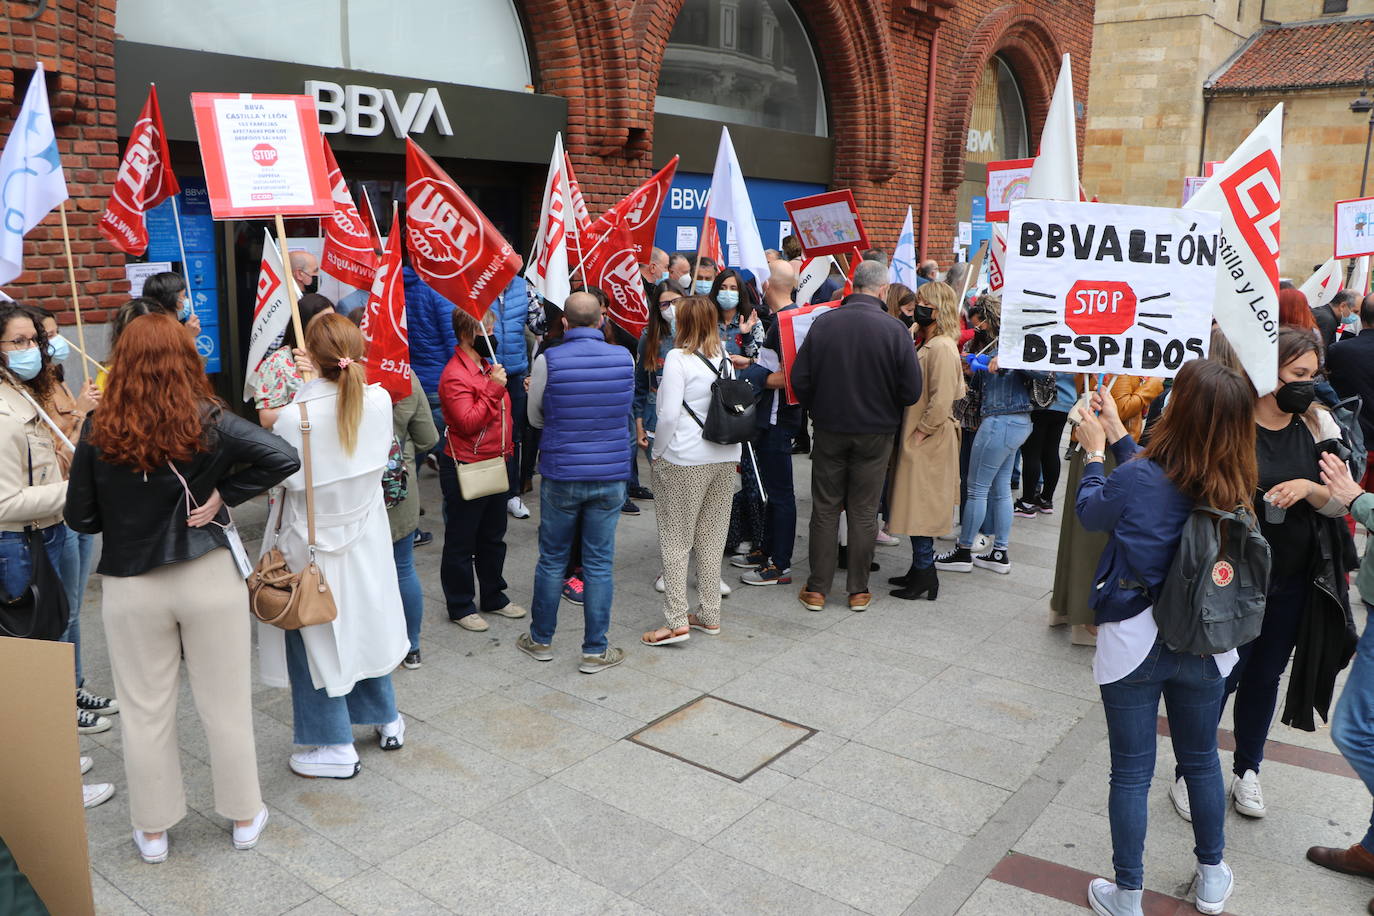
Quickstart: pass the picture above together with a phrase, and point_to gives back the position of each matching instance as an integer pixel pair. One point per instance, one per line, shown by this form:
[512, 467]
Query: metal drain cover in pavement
[721, 737]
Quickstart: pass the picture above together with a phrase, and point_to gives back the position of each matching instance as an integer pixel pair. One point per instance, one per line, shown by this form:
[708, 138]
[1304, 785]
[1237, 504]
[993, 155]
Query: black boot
[924, 582]
[844, 560]
[905, 578]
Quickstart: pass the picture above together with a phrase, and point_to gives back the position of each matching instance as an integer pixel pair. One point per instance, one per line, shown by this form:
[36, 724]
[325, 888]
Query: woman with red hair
[1294, 312]
[160, 460]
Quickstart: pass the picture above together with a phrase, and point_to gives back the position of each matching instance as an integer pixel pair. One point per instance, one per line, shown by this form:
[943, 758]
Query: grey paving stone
[993, 898]
[723, 737]
[320, 906]
[872, 821]
[522, 734]
[711, 882]
[809, 753]
[804, 702]
[987, 758]
[110, 900]
[1007, 709]
[375, 893]
[871, 673]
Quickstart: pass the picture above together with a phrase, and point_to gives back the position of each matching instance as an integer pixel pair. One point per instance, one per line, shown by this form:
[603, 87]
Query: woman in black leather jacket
[158, 463]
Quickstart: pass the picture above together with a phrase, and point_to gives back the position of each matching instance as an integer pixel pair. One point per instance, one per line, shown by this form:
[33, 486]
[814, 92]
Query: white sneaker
[329, 761]
[97, 793]
[1178, 794]
[86, 764]
[247, 837]
[1246, 795]
[151, 851]
[981, 543]
[392, 735]
[887, 540]
[517, 508]
[1213, 887]
[725, 588]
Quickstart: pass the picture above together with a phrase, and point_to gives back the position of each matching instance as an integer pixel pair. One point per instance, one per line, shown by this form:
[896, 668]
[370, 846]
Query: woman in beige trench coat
[925, 482]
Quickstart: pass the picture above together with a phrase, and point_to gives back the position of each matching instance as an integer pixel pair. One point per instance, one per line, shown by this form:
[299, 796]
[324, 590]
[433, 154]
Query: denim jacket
[1007, 391]
[645, 405]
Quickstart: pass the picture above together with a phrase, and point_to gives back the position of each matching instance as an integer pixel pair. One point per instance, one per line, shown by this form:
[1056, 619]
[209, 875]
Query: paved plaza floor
[919, 758]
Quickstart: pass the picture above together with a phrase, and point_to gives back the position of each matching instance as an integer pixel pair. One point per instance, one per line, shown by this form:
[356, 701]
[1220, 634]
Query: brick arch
[1026, 41]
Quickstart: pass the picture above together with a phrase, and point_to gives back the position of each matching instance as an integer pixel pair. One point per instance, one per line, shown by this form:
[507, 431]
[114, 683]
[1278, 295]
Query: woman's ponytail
[336, 346]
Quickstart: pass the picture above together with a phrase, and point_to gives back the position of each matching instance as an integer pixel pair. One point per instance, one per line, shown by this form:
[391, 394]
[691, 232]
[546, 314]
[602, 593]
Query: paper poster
[1007, 183]
[262, 155]
[1108, 287]
[138, 272]
[793, 326]
[965, 234]
[1191, 185]
[1354, 227]
[784, 230]
[686, 238]
[827, 223]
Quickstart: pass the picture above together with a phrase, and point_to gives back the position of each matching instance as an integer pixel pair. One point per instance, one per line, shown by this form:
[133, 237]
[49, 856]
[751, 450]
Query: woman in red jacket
[477, 413]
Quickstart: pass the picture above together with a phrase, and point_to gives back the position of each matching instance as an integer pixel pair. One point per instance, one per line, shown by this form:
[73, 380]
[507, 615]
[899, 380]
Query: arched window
[742, 62]
[997, 129]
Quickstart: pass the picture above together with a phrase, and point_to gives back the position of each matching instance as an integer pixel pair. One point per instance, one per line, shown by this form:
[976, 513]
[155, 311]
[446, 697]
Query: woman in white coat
[339, 672]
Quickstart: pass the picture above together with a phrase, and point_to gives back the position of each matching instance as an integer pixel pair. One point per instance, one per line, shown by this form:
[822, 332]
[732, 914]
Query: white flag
[548, 267]
[903, 268]
[1323, 285]
[1245, 191]
[1359, 278]
[31, 177]
[271, 311]
[997, 257]
[730, 201]
[1054, 176]
[813, 274]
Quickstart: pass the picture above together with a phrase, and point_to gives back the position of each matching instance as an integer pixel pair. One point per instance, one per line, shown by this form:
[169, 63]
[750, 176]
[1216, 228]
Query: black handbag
[40, 610]
[730, 414]
[1043, 392]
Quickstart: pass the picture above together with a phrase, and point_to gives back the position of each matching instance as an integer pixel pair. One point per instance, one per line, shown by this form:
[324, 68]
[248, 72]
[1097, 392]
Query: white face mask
[685, 281]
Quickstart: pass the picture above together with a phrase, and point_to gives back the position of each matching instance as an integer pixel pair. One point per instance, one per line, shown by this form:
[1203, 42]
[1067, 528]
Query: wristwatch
[1097, 456]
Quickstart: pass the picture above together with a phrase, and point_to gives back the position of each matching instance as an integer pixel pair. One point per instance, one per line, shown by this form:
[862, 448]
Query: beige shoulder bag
[487, 477]
[278, 596]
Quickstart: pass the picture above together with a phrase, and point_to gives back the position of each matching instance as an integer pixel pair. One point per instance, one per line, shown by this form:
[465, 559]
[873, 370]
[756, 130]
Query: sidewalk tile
[711, 882]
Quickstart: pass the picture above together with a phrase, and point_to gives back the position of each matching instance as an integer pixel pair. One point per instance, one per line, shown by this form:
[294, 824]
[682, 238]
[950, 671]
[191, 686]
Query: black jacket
[1326, 634]
[1327, 323]
[143, 516]
[856, 371]
[1351, 366]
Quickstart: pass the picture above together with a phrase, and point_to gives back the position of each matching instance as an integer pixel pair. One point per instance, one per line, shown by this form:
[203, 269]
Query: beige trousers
[693, 507]
[199, 609]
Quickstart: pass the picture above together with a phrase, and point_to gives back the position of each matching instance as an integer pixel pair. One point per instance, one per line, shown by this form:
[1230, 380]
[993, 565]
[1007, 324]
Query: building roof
[1301, 55]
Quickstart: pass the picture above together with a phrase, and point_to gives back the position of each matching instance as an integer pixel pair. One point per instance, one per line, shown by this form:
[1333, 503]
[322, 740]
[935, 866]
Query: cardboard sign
[793, 326]
[1107, 287]
[827, 223]
[262, 155]
[1354, 227]
[1007, 183]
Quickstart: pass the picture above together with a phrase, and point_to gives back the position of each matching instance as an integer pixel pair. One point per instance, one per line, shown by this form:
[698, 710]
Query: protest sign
[1107, 287]
[793, 326]
[137, 272]
[1354, 227]
[262, 155]
[827, 223]
[1007, 182]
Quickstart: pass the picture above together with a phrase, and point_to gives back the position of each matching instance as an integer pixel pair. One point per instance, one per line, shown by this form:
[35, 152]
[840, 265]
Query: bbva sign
[364, 111]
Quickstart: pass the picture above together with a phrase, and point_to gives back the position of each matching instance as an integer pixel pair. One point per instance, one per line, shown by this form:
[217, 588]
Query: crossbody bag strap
[714, 371]
[309, 481]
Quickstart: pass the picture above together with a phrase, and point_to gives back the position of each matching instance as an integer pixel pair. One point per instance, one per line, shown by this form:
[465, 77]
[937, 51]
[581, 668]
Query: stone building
[1179, 83]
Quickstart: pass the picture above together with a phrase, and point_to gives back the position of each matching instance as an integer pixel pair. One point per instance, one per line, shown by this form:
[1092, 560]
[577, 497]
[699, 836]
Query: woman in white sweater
[693, 479]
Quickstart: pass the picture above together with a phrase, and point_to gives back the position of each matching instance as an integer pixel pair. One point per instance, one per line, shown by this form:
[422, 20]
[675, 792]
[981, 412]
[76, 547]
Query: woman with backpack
[1203, 452]
[694, 478]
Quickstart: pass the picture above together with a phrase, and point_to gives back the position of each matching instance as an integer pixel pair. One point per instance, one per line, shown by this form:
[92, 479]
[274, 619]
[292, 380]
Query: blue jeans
[922, 552]
[774, 453]
[317, 718]
[15, 568]
[995, 448]
[1352, 725]
[74, 569]
[562, 503]
[412, 596]
[1192, 689]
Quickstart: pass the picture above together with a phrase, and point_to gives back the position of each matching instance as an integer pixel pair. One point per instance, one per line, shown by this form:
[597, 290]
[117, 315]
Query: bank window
[997, 127]
[742, 62]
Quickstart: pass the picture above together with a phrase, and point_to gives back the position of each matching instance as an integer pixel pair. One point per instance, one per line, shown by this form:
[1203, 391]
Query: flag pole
[290, 282]
[181, 246]
[71, 277]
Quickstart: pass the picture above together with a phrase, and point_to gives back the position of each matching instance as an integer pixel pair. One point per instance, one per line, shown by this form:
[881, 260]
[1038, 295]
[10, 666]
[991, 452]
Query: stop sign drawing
[1100, 307]
[265, 154]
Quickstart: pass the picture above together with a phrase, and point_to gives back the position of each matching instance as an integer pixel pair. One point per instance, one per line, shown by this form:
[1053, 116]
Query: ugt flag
[144, 180]
[31, 179]
[348, 255]
[271, 311]
[453, 247]
[609, 263]
[639, 211]
[384, 322]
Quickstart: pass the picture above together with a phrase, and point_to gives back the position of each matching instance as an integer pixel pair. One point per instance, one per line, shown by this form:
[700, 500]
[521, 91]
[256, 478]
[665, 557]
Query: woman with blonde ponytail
[339, 672]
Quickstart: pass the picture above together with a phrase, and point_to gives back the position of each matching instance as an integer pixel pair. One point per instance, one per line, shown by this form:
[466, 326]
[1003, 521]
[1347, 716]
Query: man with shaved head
[580, 394]
[305, 268]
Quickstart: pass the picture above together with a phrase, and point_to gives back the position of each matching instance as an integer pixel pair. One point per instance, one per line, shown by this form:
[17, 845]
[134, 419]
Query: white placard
[965, 234]
[138, 272]
[1354, 227]
[1107, 287]
[784, 230]
[686, 238]
[1191, 185]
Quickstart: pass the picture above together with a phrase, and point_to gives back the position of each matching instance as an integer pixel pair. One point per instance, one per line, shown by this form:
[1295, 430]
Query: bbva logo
[364, 111]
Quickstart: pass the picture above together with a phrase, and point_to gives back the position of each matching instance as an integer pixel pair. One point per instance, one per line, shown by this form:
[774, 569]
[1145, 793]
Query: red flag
[854, 261]
[370, 221]
[348, 255]
[610, 265]
[710, 238]
[453, 247]
[639, 211]
[144, 180]
[384, 322]
[579, 230]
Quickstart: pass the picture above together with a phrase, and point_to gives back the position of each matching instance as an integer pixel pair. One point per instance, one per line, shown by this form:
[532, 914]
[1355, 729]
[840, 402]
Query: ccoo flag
[271, 311]
[1245, 191]
[997, 258]
[145, 179]
[384, 322]
[814, 273]
[730, 201]
[348, 255]
[1054, 174]
[639, 211]
[1323, 285]
[453, 247]
[30, 175]
[548, 267]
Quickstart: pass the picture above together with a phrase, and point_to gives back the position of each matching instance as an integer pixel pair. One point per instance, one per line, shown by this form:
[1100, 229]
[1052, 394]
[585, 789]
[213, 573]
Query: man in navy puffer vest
[580, 393]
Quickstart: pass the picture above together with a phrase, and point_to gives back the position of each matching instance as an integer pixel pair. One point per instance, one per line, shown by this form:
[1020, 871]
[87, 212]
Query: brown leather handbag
[278, 596]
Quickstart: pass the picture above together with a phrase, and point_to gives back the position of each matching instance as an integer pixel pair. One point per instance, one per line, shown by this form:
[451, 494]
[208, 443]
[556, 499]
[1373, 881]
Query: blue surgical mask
[728, 298]
[58, 348]
[184, 313]
[1351, 321]
[703, 287]
[663, 277]
[26, 363]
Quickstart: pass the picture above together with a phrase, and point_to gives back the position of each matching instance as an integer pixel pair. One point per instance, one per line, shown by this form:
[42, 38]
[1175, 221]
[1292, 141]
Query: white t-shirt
[678, 437]
[1123, 645]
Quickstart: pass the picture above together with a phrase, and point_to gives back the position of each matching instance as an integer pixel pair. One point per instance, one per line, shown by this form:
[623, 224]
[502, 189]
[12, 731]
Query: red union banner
[144, 180]
[638, 212]
[611, 266]
[348, 255]
[384, 322]
[453, 247]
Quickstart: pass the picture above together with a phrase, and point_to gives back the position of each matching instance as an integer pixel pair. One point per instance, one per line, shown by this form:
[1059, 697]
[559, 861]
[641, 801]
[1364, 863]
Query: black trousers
[474, 539]
[1040, 455]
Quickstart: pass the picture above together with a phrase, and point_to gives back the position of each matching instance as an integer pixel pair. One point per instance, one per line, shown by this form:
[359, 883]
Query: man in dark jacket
[856, 372]
[1351, 366]
[580, 394]
[1331, 316]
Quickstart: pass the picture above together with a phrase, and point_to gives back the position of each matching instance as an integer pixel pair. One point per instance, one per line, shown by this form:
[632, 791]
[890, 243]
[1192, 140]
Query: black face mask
[925, 316]
[313, 286]
[907, 320]
[1296, 397]
[483, 347]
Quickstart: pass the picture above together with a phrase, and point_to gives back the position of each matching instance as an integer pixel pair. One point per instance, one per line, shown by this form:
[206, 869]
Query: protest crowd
[1206, 540]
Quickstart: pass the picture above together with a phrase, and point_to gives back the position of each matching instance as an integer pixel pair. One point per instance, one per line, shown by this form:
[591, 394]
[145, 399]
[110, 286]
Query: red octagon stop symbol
[1099, 307]
[265, 154]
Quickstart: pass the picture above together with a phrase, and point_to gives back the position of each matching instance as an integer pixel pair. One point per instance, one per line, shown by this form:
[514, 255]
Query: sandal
[694, 622]
[681, 634]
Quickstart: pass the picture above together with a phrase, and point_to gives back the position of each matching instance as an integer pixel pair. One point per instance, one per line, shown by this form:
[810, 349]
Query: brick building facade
[897, 132]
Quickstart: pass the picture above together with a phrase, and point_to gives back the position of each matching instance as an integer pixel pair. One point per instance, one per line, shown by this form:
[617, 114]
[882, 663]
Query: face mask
[313, 286]
[184, 312]
[1350, 322]
[663, 278]
[26, 363]
[483, 347]
[728, 298]
[669, 312]
[703, 287]
[58, 348]
[907, 320]
[925, 316]
[685, 281]
[1296, 397]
